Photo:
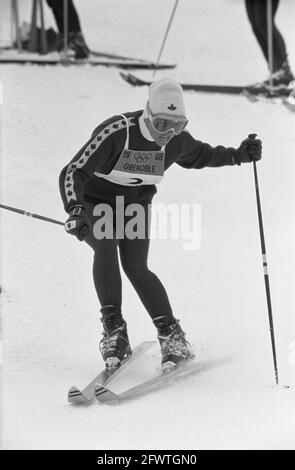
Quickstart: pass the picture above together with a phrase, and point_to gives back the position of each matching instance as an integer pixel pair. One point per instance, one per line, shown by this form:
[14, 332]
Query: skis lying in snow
[253, 93]
[53, 58]
[110, 55]
[88, 393]
[228, 89]
[104, 394]
[136, 81]
[122, 64]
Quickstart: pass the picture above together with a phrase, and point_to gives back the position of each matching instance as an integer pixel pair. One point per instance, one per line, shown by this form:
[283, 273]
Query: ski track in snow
[50, 314]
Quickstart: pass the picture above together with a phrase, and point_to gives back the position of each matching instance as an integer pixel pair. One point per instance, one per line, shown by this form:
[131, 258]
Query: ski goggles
[163, 124]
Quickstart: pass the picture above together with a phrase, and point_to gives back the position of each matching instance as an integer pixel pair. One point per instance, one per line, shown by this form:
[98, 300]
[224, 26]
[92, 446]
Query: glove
[250, 150]
[78, 224]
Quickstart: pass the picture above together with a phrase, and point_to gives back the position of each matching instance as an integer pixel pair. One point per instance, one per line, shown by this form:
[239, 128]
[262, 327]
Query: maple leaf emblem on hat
[172, 107]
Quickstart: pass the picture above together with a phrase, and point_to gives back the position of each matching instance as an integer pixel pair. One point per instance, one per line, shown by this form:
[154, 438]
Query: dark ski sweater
[88, 171]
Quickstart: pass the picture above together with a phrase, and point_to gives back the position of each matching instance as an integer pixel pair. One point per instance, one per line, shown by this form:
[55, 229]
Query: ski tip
[124, 75]
[130, 78]
[133, 80]
[104, 394]
[100, 390]
[76, 396]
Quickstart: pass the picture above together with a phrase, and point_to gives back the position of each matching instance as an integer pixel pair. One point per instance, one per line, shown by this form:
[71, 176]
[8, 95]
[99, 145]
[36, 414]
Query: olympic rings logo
[142, 157]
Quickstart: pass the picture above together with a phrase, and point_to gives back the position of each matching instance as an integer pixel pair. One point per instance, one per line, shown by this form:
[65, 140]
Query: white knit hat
[165, 97]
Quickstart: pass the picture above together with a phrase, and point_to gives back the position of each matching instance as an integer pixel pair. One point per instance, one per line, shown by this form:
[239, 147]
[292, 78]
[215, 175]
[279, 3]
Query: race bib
[137, 167]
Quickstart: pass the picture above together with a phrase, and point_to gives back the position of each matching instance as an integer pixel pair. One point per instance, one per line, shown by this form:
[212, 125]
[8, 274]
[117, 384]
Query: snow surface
[49, 309]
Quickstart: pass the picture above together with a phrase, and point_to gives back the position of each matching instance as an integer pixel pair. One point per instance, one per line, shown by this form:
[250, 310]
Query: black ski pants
[134, 261]
[257, 13]
[58, 12]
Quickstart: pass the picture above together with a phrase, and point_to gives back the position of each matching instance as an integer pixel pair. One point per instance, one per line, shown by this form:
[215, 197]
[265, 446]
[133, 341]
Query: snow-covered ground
[50, 326]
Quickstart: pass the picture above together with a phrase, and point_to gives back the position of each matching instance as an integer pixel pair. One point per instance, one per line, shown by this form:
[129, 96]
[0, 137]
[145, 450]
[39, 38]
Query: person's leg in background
[257, 14]
[76, 41]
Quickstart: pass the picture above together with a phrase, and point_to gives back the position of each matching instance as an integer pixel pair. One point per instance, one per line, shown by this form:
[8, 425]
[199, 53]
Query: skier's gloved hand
[78, 224]
[250, 150]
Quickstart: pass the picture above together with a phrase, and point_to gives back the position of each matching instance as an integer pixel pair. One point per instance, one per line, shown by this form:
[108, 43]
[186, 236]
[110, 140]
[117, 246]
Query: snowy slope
[49, 309]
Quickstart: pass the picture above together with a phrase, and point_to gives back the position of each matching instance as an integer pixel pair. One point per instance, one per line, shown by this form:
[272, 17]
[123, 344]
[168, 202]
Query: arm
[72, 180]
[196, 154]
[97, 154]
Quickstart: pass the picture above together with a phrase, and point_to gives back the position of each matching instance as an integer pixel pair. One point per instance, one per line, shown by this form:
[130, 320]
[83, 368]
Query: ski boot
[114, 345]
[175, 349]
[279, 79]
[77, 47]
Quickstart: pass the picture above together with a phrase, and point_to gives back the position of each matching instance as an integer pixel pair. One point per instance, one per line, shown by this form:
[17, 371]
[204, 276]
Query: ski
[136, 81]
[86, 395]
[254, 94]
[110, 55]
[54, 59]
[226, 89]
[284, 96]
[104, 394]
[10, 55]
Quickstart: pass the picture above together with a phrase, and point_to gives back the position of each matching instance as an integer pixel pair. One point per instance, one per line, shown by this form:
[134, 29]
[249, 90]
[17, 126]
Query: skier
[257, 13]
[108, 165]
[76, 41]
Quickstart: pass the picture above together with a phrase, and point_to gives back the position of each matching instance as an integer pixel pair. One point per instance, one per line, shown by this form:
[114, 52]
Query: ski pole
[66, 25]
[30, 214]
[264, 261]
[43, 38]
[165, 36]
[269, 39]
[15, 20]
[32, 47]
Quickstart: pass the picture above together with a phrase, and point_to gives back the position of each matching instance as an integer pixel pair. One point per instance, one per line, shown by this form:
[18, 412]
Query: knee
[101, 248]
[133, 269]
